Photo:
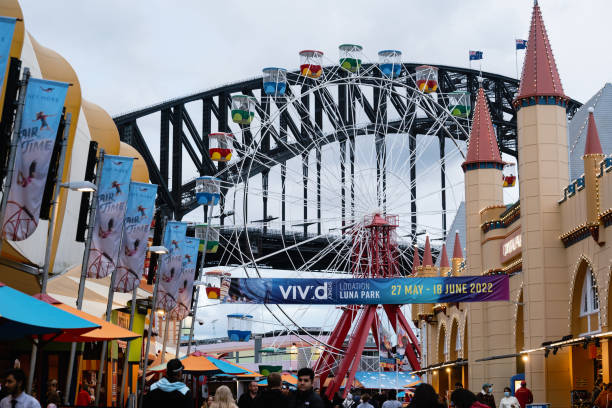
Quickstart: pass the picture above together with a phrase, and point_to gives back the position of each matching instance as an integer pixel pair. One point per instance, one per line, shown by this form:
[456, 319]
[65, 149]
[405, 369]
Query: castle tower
[593, 155]
[444, 265]
[543, 173]
[483, 187]
[457, 258]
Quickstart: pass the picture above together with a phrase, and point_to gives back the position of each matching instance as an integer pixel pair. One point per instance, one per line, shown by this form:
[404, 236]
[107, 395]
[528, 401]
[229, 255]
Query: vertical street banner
[7, 29]
[44, 101]
[403, 342]
[185, 290]
[171, 265]
[113, 194]
[136, 227]
[385, 349]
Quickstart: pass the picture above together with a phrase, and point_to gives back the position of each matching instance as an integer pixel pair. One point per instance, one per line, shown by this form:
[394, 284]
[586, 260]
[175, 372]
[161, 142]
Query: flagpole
[165, 341]
[109, 311]
[151, 317]
[126, 356]
[79, 302]
[194, 307]
[50, 233]
[58, 182]
[8, 180]
[516, 59]
[178, 339]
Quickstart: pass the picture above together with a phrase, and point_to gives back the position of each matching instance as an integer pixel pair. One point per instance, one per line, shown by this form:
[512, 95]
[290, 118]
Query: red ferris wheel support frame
[375, 255]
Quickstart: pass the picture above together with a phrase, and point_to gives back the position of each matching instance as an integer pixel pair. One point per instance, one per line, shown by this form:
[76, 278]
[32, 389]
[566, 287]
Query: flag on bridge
[521, 44]
[475, 55]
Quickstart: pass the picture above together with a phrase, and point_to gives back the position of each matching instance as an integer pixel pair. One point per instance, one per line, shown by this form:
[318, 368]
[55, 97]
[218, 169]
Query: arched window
[589, 303]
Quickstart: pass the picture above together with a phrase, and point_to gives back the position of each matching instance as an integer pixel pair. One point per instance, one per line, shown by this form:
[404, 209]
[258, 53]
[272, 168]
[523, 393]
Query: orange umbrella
[107, 331]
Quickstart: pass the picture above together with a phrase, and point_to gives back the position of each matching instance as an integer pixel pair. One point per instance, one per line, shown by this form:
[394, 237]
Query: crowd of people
[170, 391]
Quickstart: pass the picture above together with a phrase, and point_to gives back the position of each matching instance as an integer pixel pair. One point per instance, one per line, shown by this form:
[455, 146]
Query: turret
[444, 265]
[457, 258]
[483, 179]
[427, 269]
[543, 174]
[593, 155]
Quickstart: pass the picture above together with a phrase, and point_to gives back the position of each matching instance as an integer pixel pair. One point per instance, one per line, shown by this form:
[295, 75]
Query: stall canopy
[107, 331]
[387, 380]
[288, 379]
[22, 315]
[201, 363]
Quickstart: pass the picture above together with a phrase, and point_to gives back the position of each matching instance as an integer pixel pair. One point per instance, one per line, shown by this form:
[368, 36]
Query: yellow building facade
[554, 243]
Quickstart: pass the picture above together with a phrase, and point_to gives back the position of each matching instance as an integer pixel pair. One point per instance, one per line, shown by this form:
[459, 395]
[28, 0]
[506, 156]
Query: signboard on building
[511, 247]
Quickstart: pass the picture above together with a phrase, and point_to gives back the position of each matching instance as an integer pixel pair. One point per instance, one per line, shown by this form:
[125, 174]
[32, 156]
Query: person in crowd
[247, 400]
[392, 401]
[596, 390]
[53, 398]
[524, 395]
[458, 385]
[83, 397]
[485, 395]
[273, 396]
[305, 396]
[337, 400]
[208, 402]
[605, 397]
[3, 391]
[425, 397]
[365, 401]
[15, 381]
[170, 391]
[509, 400]
[463, 398]
[224, 398]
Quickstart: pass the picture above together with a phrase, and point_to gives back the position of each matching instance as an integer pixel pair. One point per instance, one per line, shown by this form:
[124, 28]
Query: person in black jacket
[170, 391]
[273, 396]
[305, 397]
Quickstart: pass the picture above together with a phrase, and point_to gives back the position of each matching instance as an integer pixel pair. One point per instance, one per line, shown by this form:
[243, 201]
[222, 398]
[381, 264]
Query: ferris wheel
[294, 199]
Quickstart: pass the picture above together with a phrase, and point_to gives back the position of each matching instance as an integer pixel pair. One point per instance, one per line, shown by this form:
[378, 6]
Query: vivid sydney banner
[366, 291]
[136, 227]
[185, 290]
[171, 265]
[113, 193]
[41, 116]
[7, 28]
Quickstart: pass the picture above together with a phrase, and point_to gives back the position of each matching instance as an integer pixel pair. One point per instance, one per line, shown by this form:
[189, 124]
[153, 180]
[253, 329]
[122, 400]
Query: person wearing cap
[170, 391]
[524, 395]
[485, 396]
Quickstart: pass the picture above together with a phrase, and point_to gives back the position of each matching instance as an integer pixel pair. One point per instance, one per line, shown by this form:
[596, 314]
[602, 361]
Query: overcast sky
[129, 54]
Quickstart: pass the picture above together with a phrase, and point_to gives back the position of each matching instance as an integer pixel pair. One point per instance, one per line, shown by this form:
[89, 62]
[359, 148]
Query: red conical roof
[457, 249]
[482, 143]
[540, 76]
[592, 145]
[427, 259]
[415, 260]
[444, 258]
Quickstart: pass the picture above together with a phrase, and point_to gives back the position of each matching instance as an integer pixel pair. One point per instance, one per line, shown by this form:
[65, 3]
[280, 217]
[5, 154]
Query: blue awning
[22, 315]
[386, 380]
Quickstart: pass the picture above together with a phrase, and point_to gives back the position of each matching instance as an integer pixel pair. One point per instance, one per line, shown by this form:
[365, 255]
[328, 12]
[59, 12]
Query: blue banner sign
[136, 228]
[44, 101]
[171, 265]
[185, 290]
[7, 29]
[366, 291]
[113, 194]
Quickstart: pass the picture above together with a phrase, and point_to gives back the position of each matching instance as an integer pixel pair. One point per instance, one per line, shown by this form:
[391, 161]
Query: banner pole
[109, 311]
[56, 193]
[178, 339]
[8, 180]
[151, 317]
[166, 326]
[194, 306]
[79, 302]
[126, 356]
[45, 277]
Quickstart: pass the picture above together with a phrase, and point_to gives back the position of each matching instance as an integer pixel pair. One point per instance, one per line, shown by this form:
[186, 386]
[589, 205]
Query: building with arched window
[555, 243]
